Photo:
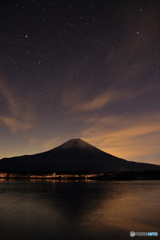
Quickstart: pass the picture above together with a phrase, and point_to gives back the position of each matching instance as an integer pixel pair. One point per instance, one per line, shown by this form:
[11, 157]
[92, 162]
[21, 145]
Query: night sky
[80, 69]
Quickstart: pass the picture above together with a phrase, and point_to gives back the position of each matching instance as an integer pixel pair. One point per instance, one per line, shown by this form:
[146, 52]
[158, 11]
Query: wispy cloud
[133, 139]
[51, 143]
[19, 113]
[14, 124]
[100, 101]
[76, 100]
[45, 144]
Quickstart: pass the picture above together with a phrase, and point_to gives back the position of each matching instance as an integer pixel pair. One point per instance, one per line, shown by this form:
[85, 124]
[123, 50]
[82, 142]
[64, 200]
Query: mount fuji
[72, 156]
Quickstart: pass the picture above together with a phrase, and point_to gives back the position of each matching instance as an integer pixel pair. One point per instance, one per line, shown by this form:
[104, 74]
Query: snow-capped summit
[76, 143]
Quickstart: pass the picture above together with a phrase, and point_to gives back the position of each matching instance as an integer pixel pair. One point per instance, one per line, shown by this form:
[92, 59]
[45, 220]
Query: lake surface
[78, 209]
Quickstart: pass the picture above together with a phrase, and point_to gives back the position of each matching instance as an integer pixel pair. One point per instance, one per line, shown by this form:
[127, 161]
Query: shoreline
[120, 175]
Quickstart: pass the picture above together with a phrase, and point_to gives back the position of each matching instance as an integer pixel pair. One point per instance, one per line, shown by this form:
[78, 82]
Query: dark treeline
[132, 175]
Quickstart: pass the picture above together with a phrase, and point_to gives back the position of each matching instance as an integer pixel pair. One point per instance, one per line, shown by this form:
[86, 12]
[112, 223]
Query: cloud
[10, 98]
[45, 145]
[14, 124]
[49, 144]
[128, 58]
[100, 101]
[76, 99]
[19, 112]
[133, 138]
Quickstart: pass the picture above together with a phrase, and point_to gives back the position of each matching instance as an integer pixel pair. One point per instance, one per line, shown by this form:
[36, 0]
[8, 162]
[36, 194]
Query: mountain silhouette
[74, 155]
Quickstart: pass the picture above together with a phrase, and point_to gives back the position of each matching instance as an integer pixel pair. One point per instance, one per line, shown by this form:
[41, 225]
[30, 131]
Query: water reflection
[79, 210]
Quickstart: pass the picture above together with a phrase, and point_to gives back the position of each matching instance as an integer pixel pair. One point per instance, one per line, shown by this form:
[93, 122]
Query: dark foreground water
[78, 210]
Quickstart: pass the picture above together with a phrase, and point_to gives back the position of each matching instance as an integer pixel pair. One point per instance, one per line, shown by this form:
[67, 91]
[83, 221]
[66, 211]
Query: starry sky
[80, 69]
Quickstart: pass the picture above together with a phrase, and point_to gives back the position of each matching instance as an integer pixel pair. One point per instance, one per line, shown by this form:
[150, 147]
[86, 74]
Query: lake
[78, 209]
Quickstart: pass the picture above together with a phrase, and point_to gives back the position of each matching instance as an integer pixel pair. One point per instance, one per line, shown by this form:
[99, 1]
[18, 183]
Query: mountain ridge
[75, 155]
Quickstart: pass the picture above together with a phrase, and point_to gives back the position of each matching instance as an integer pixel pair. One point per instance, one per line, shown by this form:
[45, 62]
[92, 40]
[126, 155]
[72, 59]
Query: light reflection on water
[78, 209]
